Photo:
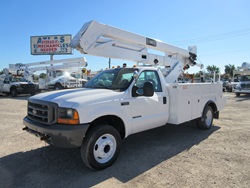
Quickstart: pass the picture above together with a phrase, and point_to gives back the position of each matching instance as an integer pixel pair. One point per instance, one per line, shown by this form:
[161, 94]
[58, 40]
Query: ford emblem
[34, 111]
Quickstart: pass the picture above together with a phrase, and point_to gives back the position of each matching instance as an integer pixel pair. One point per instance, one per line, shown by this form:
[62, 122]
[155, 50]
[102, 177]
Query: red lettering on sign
[48, 49]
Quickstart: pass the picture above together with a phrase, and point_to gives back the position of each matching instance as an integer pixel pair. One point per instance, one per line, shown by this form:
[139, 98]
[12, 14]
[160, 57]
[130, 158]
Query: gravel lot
[170, 156]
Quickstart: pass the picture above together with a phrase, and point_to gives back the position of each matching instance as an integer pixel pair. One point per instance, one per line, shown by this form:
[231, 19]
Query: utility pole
[109, 62]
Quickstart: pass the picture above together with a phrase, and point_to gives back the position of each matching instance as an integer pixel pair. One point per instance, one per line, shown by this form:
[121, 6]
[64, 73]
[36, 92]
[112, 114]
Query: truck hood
[74, 97]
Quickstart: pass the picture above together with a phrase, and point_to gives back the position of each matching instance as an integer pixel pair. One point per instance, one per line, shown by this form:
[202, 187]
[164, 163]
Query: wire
[228, 52]
[214, 37]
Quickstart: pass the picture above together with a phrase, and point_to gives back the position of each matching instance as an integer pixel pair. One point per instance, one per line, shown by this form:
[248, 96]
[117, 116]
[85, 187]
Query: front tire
[206, 121]
[32, 93]
[13, 92]
[100, 147]
[57, 86]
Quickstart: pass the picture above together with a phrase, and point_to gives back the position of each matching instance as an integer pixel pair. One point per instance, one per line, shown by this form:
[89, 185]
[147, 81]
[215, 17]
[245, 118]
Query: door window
[149, 76]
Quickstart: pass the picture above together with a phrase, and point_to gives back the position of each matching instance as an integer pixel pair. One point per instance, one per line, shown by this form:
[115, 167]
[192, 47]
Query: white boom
[28, 69]
[103, 40]
[72, 62]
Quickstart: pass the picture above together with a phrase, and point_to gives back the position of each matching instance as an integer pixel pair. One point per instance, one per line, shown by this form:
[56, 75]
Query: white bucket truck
[122, 101]
[57, 76]
[13, 83]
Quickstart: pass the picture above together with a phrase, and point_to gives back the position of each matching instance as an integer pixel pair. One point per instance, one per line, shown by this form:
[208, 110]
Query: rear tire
[206, 120]
[100, 147]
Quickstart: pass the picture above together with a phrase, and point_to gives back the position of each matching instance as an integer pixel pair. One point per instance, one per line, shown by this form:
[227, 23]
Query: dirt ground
[169, 156]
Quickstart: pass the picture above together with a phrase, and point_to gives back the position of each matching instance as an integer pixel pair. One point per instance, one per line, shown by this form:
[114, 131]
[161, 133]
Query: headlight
[68, 116]
[238, 86]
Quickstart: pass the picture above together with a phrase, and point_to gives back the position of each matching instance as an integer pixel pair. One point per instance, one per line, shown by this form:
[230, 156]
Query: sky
[219, 28]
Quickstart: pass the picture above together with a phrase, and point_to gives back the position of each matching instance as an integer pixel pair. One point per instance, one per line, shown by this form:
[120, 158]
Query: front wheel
[100, 147]
[206, 121]
[57, 86]
[13, 92]
[32, 93]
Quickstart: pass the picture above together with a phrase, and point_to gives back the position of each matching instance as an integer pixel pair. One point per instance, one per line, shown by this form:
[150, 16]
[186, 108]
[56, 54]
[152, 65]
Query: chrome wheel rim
[209, 118]
[104, 148]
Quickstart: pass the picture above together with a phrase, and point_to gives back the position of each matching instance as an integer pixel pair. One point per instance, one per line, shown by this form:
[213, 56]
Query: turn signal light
[72, 118]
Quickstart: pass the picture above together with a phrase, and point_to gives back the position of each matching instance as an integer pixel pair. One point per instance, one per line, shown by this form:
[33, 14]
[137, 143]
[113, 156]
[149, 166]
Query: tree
[199, 74]
[211, 69]
[1, 72]
[229, 69]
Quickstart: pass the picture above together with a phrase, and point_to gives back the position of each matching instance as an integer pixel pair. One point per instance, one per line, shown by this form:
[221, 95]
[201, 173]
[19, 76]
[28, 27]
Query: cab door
[6, 85]
[1, 85]
[149, 112]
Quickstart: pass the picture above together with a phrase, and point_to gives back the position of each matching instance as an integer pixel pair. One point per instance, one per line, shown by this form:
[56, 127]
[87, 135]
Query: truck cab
[137, 98]
[243, 86]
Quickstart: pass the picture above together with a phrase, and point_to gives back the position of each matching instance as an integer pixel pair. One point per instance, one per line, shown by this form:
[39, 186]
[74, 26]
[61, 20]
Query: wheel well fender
[111, 120]
[12, 87]
[214, 107]
[58, 83]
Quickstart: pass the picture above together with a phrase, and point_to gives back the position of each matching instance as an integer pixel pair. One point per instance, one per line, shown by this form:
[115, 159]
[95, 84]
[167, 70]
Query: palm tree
[229, 69]
[199, 74]
[211, 69]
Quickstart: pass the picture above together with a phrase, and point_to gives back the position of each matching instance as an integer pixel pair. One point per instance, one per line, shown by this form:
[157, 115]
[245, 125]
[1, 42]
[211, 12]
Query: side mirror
[147, 90]
[135, 75]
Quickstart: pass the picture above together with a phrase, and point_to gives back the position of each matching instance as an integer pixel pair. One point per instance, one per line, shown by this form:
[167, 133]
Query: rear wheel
[100, 147]
[206, 121]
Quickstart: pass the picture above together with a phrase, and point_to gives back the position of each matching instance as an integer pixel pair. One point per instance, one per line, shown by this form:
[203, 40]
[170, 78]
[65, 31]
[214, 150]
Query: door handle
[164, 100]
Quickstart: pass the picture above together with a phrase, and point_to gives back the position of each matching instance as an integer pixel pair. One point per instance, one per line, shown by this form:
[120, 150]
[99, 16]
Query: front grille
[28, 87]
[245, 86]
[42, 112]
[72, 82]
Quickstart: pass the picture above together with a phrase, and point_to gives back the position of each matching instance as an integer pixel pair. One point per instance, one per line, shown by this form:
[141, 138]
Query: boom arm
[29, 68]
[103, 40]
[80, 61]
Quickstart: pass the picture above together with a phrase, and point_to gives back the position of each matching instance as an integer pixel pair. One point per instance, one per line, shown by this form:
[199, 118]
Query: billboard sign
[50, 45]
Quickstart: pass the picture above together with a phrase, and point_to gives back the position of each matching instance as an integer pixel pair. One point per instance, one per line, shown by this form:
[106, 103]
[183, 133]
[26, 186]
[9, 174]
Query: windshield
[114, 79]
[17, 79]
[245, 78]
